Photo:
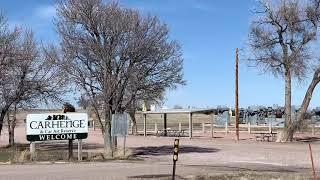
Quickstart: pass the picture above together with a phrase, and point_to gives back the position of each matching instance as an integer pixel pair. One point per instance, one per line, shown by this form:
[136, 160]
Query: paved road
[128, 170]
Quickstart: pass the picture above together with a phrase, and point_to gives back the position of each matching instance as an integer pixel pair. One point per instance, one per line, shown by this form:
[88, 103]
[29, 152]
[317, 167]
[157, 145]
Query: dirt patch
[229, 176]
[254, 176]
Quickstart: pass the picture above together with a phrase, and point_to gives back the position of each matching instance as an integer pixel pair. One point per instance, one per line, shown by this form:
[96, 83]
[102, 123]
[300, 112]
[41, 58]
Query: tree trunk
[2, 116]
[12, 125]
[11, 134]
[134, 121]
[289, 128]
[307, 98]
[9, 126]
[115, 142]
[107, 135]
[96, 111]
[107, 102]
[134, 127]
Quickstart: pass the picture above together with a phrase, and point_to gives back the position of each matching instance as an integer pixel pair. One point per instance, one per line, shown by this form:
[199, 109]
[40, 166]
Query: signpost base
[79, 149]
[70, 149]
[32, 151]
[174, 170]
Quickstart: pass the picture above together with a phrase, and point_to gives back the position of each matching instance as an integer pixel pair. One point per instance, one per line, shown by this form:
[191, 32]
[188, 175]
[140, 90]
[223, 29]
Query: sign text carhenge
[56, 126]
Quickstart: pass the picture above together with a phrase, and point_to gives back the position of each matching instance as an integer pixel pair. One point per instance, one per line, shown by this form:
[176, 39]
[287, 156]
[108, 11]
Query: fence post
[270, 127]
[180, 129]
[313, 130]
[94, 126]
[226, 127]
[203, 128]
[144, 124]
[249, 127]
[190, 125]
[211, 124]
[155, 127]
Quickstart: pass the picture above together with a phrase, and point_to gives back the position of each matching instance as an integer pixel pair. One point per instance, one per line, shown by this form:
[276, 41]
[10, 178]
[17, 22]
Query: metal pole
[237, 98]
[174, 170]
[313, 169]
[165, 124]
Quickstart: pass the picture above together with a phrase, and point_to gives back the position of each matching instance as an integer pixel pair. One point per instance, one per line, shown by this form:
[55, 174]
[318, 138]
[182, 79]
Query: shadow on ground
[155, 176]
[307, 139]
[168, 150]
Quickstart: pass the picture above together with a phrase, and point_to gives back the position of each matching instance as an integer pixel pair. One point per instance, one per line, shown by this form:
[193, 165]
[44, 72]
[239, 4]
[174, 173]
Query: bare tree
[28, 73]
[281, 38]
[155, 95]
[83, 102]
[148, 84]
[11, 121]
[112, 53]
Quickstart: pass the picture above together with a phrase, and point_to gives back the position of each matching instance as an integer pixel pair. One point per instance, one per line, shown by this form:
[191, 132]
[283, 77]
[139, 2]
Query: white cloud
[45, 11]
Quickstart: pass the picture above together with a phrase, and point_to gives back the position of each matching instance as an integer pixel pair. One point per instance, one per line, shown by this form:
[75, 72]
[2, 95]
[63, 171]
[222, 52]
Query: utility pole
[236, 97]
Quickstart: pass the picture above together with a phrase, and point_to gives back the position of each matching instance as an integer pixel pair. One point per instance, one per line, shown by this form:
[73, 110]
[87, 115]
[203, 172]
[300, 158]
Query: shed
[178, 111]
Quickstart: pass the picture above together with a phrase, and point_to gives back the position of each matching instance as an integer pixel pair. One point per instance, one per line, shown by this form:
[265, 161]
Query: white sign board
[119, 125]
[56, 126]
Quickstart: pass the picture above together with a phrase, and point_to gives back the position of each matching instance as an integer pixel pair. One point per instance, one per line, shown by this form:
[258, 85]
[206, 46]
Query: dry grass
[20, 156]
[16, 153]
[117, 155]
[19, 153]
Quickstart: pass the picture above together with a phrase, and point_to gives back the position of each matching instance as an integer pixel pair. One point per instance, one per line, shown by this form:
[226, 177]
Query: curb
[37, 163]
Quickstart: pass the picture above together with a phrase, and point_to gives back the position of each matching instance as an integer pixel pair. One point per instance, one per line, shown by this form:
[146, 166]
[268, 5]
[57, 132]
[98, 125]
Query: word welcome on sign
[43, 127]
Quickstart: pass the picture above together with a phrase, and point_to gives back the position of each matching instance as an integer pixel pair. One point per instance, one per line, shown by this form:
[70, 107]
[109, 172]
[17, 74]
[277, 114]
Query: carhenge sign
[56, 126]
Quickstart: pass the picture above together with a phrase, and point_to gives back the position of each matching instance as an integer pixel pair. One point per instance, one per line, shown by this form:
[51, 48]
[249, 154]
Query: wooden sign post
[79, 149]
[32, 151]
[236, 98]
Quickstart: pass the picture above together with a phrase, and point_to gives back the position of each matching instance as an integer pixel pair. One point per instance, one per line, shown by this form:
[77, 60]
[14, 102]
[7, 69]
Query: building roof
[182, 111]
